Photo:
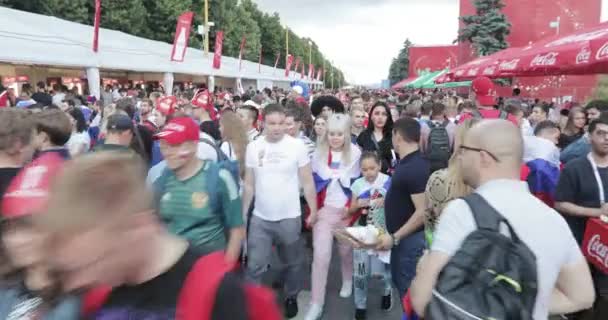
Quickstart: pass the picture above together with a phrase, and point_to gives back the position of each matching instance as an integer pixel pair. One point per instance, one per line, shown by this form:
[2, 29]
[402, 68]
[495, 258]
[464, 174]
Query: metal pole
[206, 15]
[286, 45]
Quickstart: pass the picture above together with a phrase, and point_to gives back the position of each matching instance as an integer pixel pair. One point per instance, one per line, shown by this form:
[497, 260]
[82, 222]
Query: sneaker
[360, 314]
[347, 290]
[387, 302]
[314, 313]
[291, 307]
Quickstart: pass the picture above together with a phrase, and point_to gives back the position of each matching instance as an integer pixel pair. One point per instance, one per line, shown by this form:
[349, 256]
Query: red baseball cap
[203, 99]
[28, 193]
[178, 131]
[484, 91]
[166, 105]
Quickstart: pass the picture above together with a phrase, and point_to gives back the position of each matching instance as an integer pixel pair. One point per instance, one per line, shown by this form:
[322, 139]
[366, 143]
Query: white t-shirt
[276, 167]
[205, 150]
[335, 196]
[79, 142]
[541, 228]
[58, 98]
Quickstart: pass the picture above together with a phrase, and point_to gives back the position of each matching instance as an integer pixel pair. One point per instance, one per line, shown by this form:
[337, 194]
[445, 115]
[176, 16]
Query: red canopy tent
[403, 82]
[582, 52]
[489, 66]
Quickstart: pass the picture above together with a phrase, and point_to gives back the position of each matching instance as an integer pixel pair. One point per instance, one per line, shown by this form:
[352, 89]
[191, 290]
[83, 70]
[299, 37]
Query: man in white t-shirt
[490, 160]
[276, 166]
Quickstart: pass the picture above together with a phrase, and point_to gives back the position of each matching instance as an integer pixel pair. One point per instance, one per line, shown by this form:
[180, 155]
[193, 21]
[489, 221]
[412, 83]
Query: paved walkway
[337, 308]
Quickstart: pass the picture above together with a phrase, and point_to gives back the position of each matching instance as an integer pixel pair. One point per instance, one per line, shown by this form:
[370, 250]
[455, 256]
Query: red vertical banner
[297, 64]
[243, 41]
[288, 66]
[318, 77]
[96, 24]
[182, 36]
[217, 56]
[276, 62]
[302, 71]
[311, 71]
[260, 61]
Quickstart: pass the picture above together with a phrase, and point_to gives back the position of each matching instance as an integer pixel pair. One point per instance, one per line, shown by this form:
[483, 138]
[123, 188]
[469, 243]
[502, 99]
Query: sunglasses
[463, 147]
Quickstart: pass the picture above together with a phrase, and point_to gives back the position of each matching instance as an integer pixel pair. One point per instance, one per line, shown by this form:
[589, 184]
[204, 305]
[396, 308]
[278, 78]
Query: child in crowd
[368, 194]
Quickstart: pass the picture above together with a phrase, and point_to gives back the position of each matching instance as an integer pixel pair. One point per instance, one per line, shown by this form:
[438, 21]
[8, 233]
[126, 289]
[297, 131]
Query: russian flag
[408, 309]
[541, 157]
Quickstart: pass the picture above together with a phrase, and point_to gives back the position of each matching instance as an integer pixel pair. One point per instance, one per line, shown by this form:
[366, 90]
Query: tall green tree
[126, 16]
[160, 17]
[400, 65]
[488, 29]
[243, 25]
[72, 10]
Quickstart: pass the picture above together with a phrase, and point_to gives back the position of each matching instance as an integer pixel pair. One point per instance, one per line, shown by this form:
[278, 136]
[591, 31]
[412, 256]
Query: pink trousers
[328, 220]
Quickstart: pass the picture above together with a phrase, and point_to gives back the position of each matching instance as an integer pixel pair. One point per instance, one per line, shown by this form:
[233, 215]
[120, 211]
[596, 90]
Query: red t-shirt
[489, 114]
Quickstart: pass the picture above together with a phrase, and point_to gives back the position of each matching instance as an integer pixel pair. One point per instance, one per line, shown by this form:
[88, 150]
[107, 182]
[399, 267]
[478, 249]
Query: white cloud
[362, 36]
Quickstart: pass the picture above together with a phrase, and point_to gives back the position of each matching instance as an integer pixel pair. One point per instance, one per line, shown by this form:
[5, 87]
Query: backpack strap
[220, 154]
[197, 297]
[486, 217]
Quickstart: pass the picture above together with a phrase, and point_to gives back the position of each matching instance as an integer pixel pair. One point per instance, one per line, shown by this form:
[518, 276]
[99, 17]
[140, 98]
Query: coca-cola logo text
[472, 71]
[598, 250]
[489, 71]
[509, 65]
[548, 59]
[602, 53]
[583, 56]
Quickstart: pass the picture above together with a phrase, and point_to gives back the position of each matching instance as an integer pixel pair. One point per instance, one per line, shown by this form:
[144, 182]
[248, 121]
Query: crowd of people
[141, 205]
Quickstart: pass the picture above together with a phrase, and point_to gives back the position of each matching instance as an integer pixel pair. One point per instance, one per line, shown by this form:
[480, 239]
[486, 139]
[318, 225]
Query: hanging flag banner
[302, 71]
[276, 62]
[243, 41]
[288, 66]
[297, 64]
[319, 74]
[217, 56]
[311, 71]
[96, 24]
[182, 35]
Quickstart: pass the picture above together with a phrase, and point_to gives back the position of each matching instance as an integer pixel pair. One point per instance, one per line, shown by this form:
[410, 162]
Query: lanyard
[598, 179]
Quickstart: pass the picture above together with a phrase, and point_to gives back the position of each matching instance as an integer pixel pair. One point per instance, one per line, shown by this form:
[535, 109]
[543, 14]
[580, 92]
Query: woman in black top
[378, 135]
[575, 127]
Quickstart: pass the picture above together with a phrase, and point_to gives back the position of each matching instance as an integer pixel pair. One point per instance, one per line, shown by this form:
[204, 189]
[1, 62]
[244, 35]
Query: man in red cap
[27, 293]
[198, 200]
[485, 97]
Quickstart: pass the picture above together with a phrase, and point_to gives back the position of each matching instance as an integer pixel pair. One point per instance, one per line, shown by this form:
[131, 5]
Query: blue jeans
[404, 259]
[362, 262]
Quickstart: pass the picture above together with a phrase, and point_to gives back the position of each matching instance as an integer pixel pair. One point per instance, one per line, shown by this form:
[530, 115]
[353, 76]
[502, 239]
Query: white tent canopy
[33, 39]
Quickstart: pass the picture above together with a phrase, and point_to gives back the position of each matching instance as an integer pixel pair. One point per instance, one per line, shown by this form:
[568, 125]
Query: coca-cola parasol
[488, 66]
[582, 52]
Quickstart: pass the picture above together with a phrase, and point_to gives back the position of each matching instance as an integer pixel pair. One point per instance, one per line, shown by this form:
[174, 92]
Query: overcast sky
[362, 36]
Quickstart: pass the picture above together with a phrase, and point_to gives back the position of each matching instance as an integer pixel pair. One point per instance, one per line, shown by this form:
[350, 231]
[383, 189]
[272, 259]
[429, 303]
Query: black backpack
[492, 276]
[439, 151]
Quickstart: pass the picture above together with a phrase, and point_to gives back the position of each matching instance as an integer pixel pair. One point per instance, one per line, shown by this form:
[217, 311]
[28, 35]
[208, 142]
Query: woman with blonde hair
[234, 139]
[335, 163]
[446, 185]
